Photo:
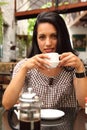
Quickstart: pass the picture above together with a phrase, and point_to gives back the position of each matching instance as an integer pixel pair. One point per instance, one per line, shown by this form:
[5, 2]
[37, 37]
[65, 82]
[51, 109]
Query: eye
[42, 37]
[54, 36]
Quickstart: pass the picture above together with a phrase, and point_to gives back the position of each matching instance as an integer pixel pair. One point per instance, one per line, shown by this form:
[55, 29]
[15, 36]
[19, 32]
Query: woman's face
[46, 37]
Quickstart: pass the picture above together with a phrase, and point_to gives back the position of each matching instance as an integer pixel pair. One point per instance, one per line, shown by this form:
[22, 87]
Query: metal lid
[29, 96]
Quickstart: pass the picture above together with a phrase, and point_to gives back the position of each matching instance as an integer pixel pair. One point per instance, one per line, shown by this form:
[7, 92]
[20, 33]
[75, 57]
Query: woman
[63, 86]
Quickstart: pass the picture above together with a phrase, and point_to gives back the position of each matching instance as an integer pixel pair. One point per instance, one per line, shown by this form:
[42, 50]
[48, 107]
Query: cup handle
[10, 118]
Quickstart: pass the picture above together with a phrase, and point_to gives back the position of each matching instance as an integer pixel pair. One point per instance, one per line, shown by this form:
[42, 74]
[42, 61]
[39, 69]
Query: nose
[48, 41]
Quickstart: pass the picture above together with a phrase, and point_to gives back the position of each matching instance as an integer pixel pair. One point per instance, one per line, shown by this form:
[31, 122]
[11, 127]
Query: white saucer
[51, 114]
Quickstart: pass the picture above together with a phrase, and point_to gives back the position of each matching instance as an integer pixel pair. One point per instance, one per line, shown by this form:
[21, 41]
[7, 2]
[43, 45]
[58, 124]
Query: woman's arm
[80, 84]
[81, 90]
[13, 90]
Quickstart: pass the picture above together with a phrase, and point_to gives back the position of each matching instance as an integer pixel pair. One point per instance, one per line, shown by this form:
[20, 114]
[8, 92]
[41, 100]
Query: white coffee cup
[53, 59]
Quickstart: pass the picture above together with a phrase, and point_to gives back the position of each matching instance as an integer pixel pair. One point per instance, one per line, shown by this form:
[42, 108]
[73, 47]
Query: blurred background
[17, 18]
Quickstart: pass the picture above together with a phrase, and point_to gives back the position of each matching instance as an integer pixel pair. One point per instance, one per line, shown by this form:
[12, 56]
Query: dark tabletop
[72, 120]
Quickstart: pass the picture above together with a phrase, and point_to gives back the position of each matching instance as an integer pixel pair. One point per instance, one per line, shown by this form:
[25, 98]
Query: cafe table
[74, 119]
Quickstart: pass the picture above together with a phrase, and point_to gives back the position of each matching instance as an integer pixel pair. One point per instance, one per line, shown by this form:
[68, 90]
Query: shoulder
[21, 61]
[18, 66]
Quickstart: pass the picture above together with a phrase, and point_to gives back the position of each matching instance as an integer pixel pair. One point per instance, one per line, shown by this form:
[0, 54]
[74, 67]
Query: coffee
[32, 125]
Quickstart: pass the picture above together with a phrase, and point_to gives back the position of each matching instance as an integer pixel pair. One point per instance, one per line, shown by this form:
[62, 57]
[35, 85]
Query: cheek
[55, 44]
[41, 45]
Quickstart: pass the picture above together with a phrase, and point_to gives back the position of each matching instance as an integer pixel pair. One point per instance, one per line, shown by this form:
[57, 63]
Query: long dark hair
[64, 44]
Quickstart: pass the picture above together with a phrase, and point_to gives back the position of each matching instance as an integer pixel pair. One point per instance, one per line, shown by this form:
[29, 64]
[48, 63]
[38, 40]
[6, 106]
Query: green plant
[1, 22]
[47, 5]
[31, 23]
[3, 3]
[1, 25]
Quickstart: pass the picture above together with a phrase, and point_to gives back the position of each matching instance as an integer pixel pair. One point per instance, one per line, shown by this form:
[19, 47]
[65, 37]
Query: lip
[48, 50]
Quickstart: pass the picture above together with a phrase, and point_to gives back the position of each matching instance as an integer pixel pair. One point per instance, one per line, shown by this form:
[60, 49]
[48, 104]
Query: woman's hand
[69, 59]
[37, 61]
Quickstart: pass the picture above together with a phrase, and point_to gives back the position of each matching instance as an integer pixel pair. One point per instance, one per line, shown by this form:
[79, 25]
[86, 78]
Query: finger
[66, 60]
[39, 64]
[43, 61]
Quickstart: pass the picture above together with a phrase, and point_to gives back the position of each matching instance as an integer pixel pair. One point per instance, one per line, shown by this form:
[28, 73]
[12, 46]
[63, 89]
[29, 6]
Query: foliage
[47, 5]
[1, 22]
[3, 3]
[31, 23]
